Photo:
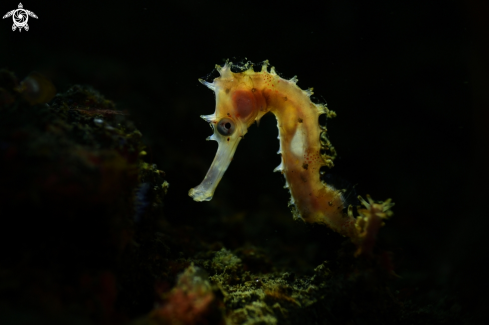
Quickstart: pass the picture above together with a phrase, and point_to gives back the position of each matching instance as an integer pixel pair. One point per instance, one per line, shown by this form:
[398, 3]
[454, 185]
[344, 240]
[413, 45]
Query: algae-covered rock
[191, 301]
[70, 195]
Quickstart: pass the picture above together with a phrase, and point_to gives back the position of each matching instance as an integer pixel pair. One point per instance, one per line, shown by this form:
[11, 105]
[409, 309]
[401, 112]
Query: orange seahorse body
[243, 98]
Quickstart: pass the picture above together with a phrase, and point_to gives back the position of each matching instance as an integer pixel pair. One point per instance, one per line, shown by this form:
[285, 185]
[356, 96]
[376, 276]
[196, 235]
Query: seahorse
[242, 98]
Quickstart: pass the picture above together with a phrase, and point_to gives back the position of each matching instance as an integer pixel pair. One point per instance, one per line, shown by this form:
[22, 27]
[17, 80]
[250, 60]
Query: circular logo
[20, 17]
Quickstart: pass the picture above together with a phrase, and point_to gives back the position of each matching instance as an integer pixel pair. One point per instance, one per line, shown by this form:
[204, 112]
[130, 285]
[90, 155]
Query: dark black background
[408, 79]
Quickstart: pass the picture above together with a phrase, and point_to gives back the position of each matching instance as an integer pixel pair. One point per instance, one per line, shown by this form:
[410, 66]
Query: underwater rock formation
[70, 196]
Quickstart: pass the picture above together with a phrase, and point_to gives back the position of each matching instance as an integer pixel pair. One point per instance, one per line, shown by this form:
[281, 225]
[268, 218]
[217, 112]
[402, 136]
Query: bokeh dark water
[408, 81]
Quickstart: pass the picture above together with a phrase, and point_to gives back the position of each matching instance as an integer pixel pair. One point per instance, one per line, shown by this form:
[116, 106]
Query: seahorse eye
[226, 126]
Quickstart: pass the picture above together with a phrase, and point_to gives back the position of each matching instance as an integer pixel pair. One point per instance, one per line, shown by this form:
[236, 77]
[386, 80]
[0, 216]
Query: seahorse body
[243, 98]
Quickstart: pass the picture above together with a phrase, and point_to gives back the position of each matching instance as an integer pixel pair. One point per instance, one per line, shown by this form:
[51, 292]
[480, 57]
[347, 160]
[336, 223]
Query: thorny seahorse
[243, 98]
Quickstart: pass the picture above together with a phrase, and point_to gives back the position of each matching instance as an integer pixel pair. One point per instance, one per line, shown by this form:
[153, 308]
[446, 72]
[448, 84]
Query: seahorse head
[237, 107]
